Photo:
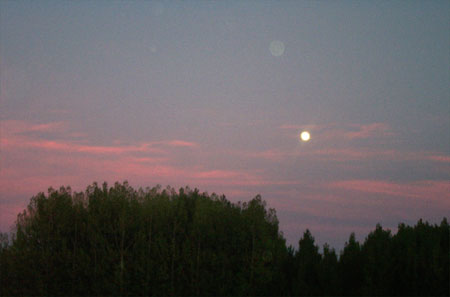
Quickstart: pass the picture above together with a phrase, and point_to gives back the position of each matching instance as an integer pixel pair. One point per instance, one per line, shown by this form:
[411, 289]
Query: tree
[4, 264]
[351, 268]
[328, 273]
[376, 252]
[121, 241]
[308, 267]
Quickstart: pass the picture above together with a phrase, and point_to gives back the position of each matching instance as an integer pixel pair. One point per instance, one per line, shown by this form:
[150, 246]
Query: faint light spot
[305, 136]
[276, 48]
[153, 49]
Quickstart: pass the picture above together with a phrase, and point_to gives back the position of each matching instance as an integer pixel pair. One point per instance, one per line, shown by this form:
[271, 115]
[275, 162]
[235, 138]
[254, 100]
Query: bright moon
[305, 136]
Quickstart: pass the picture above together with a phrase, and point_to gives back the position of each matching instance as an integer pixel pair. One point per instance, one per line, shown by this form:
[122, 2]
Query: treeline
[121, 241]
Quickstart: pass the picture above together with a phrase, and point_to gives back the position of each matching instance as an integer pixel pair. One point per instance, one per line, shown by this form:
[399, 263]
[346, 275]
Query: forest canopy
[123, 241]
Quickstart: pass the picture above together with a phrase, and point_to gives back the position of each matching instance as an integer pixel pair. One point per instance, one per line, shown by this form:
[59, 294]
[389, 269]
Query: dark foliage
[122, 241]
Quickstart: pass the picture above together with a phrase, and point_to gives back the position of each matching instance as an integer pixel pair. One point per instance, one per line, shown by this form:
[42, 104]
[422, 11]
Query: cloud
[31, 164]
[217, 174]
[14, 136]
[179, 143]
[325, 154]
[339, 142]
[152, 160]
[346, 131]
[272, 155]
[14, 127]
[439, 158]
[369, 131]
[73, 147]
[348, 154]
[55, 126]
[427, 189]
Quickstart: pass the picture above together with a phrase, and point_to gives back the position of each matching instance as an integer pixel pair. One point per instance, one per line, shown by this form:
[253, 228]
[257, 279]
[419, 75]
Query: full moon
[305, 136]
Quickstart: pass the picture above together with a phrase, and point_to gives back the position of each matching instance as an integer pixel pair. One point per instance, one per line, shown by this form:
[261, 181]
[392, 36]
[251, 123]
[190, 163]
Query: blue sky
[189, 93]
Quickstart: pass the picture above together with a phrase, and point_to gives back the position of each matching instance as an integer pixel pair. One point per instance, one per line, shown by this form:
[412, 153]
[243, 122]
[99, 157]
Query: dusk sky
[214, 95]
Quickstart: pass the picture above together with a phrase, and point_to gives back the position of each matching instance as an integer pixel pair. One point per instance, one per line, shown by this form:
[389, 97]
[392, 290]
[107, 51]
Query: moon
[305, 136]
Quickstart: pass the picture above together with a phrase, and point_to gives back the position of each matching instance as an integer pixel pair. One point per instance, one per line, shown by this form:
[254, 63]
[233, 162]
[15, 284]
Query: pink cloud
[162, 171]
[150, 168]
[55, 126]
[13, 138]
[343, 130]
[12, 127]
[217, 174]
[428, 189]
[21, 182]
[331, 154]
[345, 154]
[368, 131]
[70, 147]
[439, 158]
[148, 159]
[180, 143]
[194, 175]
[115, 149]
[88, 167]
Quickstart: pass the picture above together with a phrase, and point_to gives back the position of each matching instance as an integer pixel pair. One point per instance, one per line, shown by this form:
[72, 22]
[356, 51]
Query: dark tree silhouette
[121, 241]
[307, 263]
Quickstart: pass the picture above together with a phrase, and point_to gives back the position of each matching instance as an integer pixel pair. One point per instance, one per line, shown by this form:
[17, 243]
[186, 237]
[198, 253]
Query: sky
[214, 95]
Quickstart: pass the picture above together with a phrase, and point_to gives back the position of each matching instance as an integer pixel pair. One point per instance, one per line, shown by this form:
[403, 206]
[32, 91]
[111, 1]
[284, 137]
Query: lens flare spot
[276, 48]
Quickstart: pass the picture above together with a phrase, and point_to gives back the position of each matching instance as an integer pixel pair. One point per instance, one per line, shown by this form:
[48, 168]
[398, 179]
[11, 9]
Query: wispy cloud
[439, 158]
[346, 131]
[14, 127]
[180, 143]
[71, 147]
[79, 162]
[432, 189]
[325, 154]
[271, 155]
[14, 136]
[342, 142]
[368, 131]
[55, 126]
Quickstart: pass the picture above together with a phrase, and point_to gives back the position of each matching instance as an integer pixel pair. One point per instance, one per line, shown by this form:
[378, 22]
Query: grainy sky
[214, 95]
